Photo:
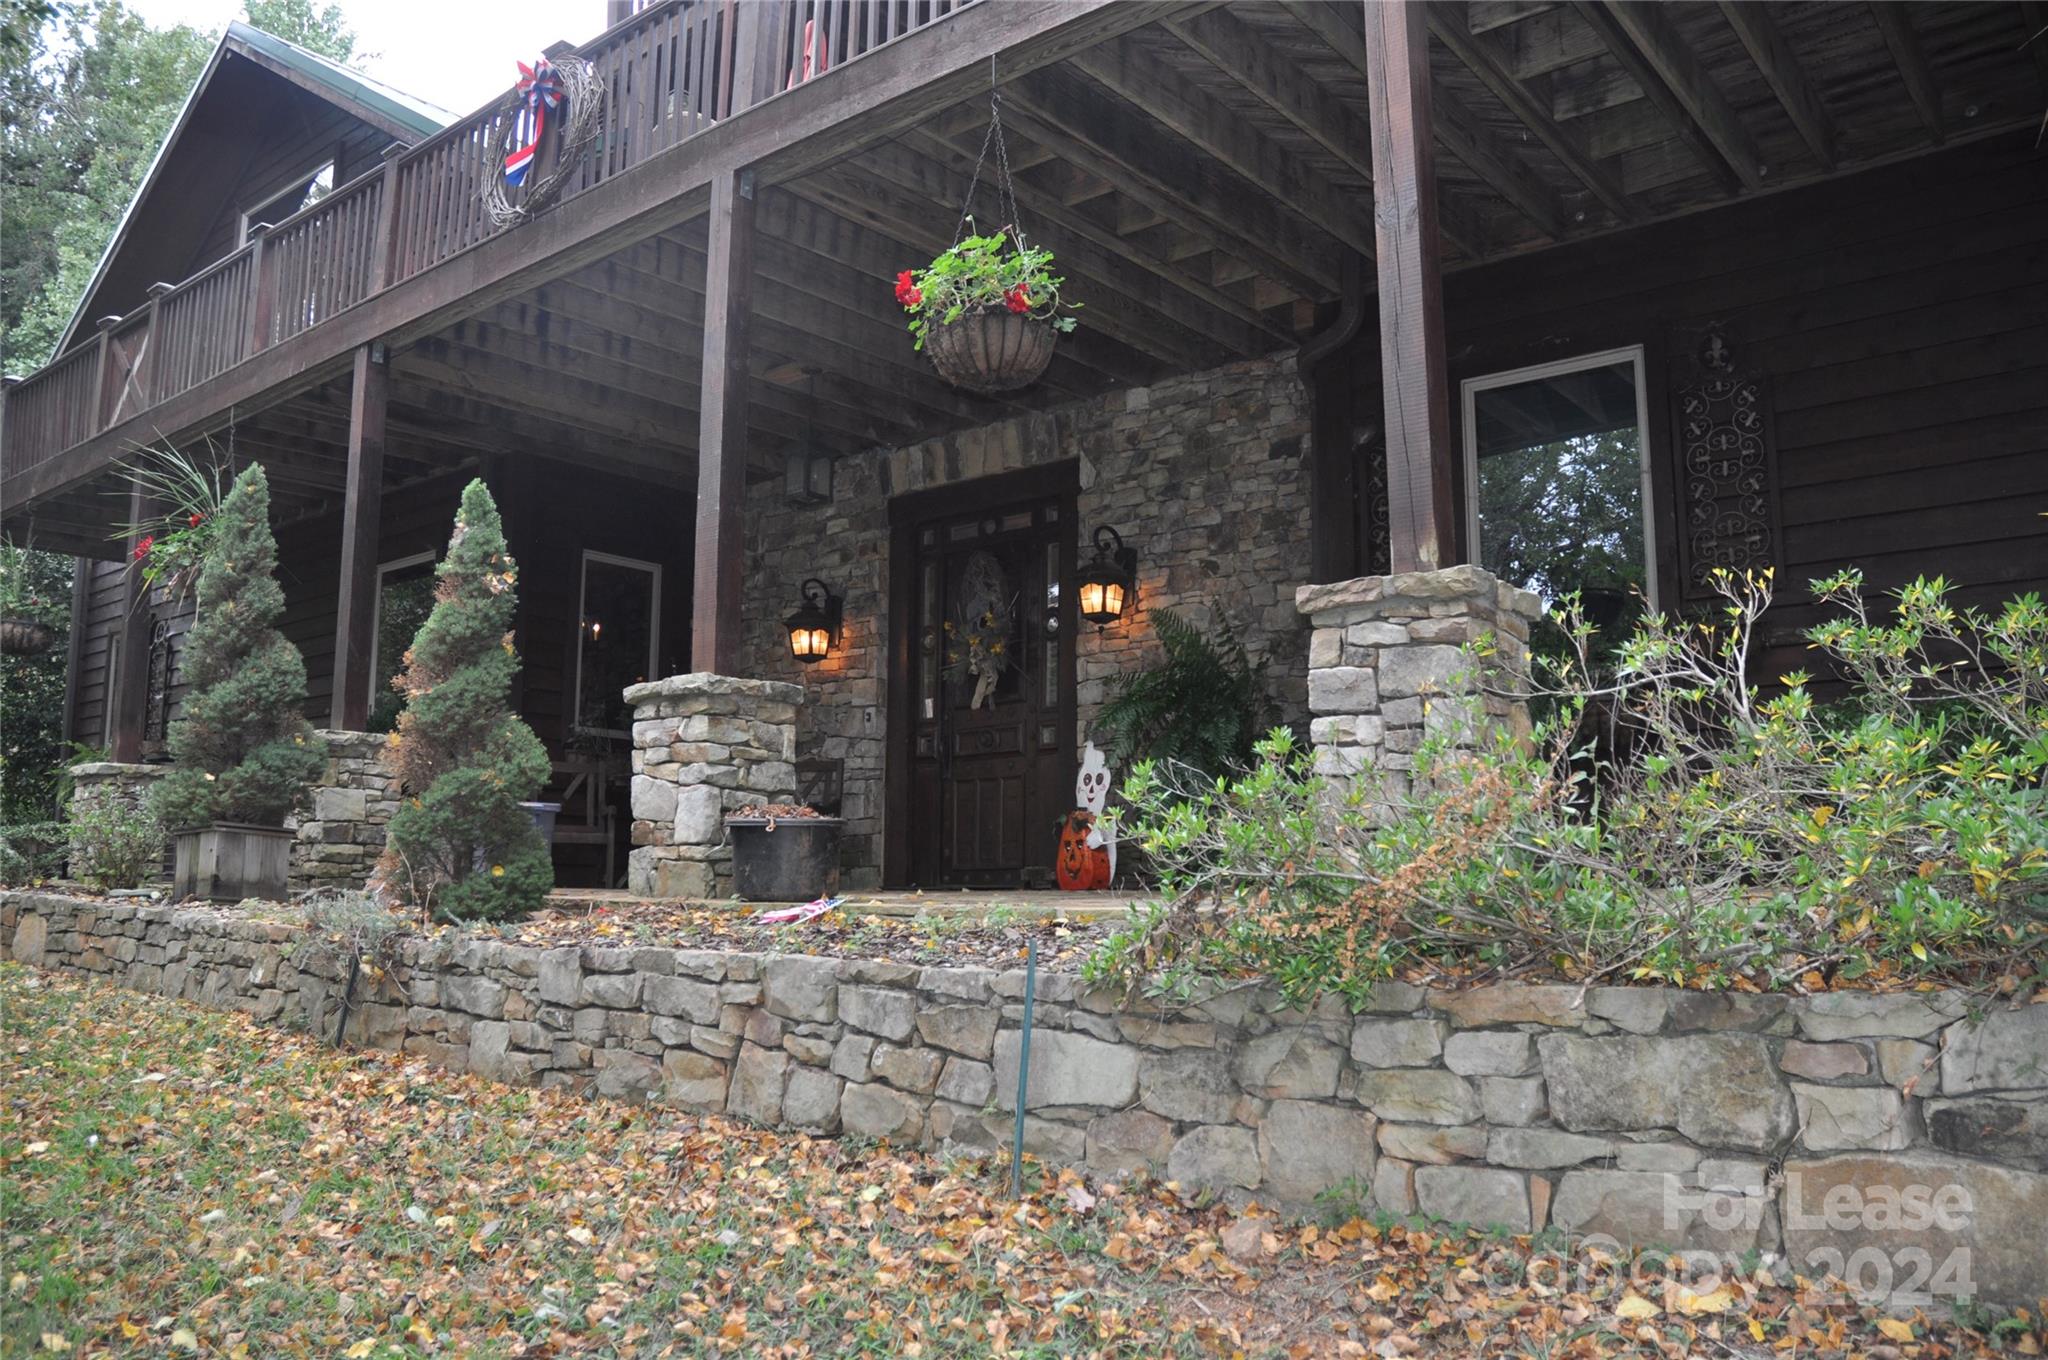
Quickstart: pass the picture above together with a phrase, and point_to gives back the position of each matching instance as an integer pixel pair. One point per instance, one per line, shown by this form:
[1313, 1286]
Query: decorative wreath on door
[566, 94]
[978, 635]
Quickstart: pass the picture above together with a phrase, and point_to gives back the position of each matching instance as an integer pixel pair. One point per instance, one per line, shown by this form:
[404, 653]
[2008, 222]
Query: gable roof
[401, 117]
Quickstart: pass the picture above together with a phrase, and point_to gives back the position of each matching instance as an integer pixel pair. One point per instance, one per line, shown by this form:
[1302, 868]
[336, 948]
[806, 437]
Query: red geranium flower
[142, 548]
[1017, 300]
[907, 291]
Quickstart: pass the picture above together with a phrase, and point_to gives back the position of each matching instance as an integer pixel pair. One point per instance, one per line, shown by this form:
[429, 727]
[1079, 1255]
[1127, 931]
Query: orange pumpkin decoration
[1079, 866]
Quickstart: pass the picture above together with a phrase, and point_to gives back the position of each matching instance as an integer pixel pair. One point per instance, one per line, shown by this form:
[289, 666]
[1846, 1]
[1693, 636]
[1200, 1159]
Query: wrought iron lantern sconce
[1109, 584]
[814, 627]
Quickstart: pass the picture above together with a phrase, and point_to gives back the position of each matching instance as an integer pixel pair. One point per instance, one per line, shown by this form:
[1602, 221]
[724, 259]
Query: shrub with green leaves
[115, 845]
[1748, 837]
[460, 846]
[1202, 706]
[242, 747]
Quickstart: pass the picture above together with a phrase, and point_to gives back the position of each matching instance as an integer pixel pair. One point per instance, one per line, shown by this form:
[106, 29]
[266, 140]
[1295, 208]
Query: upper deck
[348, 269]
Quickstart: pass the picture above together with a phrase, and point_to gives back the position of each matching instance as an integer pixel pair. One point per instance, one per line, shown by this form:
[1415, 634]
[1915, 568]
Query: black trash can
[784, 859]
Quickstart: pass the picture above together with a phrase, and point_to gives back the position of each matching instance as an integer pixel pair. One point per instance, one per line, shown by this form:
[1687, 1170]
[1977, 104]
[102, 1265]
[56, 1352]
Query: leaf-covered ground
[179, 1181]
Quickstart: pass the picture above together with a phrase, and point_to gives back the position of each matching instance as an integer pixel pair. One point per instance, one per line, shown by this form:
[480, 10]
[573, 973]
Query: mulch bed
[999, 938]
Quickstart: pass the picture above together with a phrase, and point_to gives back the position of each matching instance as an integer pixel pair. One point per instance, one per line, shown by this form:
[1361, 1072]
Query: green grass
[180, 1181]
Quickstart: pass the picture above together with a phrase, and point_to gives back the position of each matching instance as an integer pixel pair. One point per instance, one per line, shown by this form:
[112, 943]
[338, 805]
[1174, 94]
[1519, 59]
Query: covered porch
[1310, 239]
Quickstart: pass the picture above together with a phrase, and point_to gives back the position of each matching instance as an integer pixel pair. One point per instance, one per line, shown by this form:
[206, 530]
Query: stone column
[119, 783]
[1387, 666]
[341, 833]
[703, 745]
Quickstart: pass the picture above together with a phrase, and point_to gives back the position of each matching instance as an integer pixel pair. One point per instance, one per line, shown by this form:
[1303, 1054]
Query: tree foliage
[88, 92]
[460, 845]
[35, 586]
[243, 749]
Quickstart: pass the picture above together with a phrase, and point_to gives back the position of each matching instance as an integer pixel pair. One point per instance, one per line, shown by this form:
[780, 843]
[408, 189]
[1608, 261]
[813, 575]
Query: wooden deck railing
[667, 73]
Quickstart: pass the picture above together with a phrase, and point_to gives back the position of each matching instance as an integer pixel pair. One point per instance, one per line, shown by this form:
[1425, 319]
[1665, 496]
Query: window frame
[653, 569]
[248, 217]
[377, 608]
[1468, 406]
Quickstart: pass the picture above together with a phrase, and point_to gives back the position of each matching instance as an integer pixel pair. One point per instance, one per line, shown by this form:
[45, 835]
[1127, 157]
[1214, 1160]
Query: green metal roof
[422, 118]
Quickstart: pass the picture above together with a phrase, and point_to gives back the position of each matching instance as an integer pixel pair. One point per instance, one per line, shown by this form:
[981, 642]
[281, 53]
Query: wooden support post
[756, 26]
[131, 634]
[262, 288]
[146, 366]
[383, 248]
[1412, 377]
[722, 426]
[102, 404]
[361, 520]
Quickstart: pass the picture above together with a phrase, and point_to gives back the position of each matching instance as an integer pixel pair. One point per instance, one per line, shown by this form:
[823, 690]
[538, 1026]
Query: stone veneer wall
[1205, 475]
[341, 833]
[703, 745]
[1387, 666]
[1717, 1122]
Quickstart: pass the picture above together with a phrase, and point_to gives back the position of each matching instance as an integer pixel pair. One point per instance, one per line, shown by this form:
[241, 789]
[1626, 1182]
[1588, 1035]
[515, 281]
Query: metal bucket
[789, 859]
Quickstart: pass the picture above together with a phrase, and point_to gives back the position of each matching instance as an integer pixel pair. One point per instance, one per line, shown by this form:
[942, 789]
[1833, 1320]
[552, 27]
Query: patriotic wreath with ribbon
[565, 94]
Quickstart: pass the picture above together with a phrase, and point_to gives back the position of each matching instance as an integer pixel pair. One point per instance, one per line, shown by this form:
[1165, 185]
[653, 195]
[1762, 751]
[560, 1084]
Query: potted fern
[1203, 706]
[987, 310]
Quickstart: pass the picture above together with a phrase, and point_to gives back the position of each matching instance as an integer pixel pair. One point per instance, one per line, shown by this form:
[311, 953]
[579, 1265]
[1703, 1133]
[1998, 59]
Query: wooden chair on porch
[587, 816]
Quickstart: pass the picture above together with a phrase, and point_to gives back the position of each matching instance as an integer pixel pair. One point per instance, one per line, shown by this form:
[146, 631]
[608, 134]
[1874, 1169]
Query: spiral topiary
[243, 749]
[460, 845]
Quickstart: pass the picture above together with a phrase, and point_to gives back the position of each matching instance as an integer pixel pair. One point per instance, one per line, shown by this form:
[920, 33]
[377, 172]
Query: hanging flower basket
[991, 351]
[25, 637]
[987, 310]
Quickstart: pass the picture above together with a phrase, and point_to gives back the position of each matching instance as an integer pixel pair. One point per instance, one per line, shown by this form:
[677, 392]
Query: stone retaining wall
[1896, 1126]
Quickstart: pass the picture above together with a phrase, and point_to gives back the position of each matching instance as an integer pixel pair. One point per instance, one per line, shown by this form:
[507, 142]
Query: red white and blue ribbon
[539, 89]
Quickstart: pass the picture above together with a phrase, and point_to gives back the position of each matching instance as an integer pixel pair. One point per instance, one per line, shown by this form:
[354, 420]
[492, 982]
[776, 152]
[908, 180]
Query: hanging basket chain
[1006, 188]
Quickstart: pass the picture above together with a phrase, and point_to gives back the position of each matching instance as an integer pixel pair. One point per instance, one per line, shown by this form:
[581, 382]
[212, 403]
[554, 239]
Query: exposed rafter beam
[1223, 40]
[1657, 58]
[1113, 140]
[1774, 57]
[1449, 22]
[1895, 21]
[1216, 130]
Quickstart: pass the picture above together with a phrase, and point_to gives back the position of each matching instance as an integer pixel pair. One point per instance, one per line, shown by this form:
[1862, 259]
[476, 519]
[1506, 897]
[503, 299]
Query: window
[405, 596]
[302, 192]
[1557, 472]
[618, 629]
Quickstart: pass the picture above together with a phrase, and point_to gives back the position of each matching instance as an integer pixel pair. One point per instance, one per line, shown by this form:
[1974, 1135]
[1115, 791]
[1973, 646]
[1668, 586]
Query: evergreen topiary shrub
[243, 749]
[460, 846]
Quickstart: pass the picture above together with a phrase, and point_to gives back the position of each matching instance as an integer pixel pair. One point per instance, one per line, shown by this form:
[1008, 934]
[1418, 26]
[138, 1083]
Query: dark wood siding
[1902, 318]
[552, 515]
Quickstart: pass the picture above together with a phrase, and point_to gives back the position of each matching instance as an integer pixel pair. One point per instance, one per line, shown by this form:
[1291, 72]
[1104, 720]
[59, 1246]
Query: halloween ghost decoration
[1087, 853]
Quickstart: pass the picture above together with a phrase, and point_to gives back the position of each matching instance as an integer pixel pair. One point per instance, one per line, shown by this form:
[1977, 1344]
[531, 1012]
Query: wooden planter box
[228, 861]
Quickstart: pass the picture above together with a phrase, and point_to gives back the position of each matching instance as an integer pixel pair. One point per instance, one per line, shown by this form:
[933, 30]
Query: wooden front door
[990, 682]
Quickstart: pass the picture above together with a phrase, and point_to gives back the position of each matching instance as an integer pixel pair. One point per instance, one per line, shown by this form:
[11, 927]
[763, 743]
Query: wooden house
[1598, 293]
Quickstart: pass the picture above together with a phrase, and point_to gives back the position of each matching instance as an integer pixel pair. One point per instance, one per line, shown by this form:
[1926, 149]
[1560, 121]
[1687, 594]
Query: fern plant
[1203, 706]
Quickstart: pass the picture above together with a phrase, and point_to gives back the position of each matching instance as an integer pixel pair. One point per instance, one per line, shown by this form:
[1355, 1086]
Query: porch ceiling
[1202, 181]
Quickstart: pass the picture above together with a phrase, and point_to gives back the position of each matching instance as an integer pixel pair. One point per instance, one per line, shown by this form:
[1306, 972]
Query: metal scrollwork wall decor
[156, 714]
[1727, 464]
